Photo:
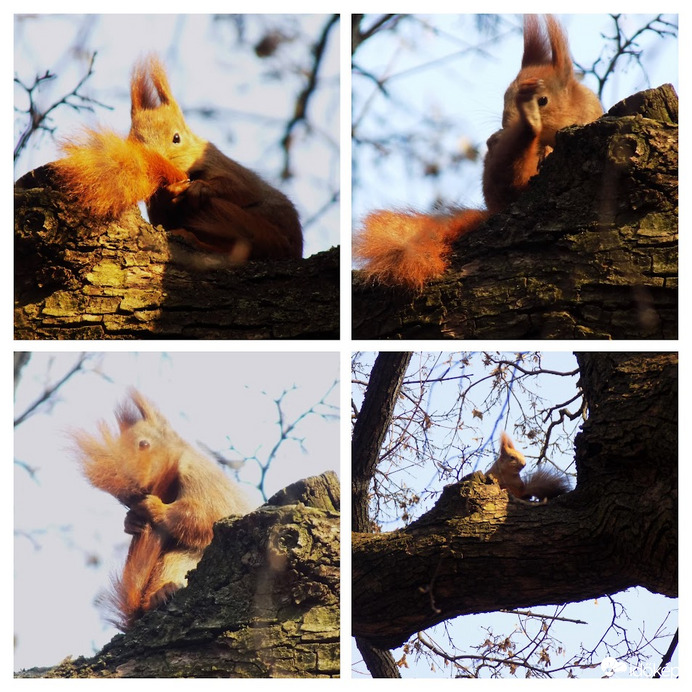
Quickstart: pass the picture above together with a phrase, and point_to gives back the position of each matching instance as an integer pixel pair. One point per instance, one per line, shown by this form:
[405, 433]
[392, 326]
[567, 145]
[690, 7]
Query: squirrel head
[562, 100]
[157, 120]
[141, 460]
[510, 458]
[152, 445]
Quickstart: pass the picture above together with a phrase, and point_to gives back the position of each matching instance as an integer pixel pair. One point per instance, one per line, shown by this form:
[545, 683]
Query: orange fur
[189, 186]
[109, 174]
[174, 495]
[410, 249]
[542, 484]
[125, 602]
[544, 98]
[508, 466]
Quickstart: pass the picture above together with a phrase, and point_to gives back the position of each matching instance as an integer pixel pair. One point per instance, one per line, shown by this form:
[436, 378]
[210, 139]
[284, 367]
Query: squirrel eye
[144, 444]
[542, 100]
[176, 138]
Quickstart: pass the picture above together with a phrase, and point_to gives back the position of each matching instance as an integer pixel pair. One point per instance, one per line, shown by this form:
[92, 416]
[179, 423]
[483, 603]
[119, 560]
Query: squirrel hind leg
[214, 255]
[236, 235]
[171, 576]
[163, 594]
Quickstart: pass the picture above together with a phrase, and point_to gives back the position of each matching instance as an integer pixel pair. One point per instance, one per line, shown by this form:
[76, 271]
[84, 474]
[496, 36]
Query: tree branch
[369, 431]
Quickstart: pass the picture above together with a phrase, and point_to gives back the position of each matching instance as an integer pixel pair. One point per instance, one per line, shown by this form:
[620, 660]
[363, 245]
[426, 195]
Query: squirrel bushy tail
[109, 174]
[128, 598]
[152, 573]
[410, 249]
[545, 484]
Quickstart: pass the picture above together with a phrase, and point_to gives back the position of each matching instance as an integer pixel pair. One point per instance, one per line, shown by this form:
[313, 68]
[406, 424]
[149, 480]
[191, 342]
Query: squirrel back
[174, 496]
[190, 187]
[403, 248]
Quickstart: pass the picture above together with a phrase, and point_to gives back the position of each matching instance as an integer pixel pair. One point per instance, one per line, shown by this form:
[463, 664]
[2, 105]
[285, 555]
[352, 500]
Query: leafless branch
[50, 390]
[38, 120]
[625, 48]
[301, 107]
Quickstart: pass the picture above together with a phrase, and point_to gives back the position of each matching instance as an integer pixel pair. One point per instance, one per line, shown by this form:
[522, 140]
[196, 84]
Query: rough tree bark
[263, 601]
[479, 550]
[77, 278]
[369, 431]
[588, 251]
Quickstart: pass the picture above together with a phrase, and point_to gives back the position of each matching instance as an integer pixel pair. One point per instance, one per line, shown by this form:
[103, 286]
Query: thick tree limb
[76, 278]
[370, 429]
[588, 251]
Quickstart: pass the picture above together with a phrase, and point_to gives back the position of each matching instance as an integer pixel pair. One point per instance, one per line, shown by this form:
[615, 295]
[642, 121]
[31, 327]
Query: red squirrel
[542, 484]
[174, 495]
[411, 248]
[190, 187]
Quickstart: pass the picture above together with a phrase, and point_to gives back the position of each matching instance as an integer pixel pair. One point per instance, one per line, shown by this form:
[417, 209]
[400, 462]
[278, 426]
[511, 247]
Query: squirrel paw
[530, 98]
[193, 193]
[152, 507]
[528, 88]
[163, 594]
[135, 522]
[178, 189]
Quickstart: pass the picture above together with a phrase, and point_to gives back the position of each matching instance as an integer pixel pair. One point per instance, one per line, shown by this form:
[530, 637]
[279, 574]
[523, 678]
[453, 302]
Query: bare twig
[49, 391]
[626, 47]
[303, 100]
[38, 119]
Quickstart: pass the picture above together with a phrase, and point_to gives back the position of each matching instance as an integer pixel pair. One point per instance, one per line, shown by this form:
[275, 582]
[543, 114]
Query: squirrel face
[140, 458]
[557, 103]
[157, 120]
[164, 130]
[146, 457]
[545, 95]
[510, 458]
[148, 449]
